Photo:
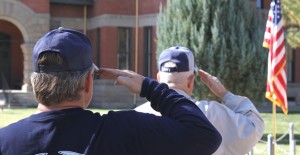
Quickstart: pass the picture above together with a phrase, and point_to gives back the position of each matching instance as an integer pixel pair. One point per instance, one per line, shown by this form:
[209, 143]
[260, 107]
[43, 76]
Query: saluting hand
[127, 78]
[212, 83]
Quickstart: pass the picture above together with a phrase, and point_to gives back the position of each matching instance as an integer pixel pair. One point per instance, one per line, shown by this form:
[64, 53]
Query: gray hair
[176, 77]
[54, 87]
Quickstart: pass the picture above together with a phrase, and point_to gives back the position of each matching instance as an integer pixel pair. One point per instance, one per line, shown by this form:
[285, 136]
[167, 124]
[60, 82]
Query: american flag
[274, 40]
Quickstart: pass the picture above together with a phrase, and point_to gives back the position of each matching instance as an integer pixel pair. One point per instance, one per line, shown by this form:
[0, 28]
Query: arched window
[5, 59]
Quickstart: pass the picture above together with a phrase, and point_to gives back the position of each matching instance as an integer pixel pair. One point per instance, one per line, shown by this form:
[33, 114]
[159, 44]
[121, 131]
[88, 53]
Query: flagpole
[274, 127]
[136, 43]
[274, 121]
[84, 17]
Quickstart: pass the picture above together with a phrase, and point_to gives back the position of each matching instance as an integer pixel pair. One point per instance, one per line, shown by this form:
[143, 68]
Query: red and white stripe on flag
[274, 40]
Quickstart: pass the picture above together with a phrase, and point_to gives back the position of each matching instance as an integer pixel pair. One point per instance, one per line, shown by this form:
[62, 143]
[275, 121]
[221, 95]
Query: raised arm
[183, 129]
[237, 119]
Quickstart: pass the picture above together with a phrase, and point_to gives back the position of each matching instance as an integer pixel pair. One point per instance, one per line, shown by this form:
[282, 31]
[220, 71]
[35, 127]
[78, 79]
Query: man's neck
[65, 105]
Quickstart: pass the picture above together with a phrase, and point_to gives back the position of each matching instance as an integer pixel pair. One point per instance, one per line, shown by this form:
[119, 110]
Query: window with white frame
[147, 51]
[124, 48]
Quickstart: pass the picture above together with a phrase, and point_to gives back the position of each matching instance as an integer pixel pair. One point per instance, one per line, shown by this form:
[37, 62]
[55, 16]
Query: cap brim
[96, 72]
[96, 67]
[196, 70]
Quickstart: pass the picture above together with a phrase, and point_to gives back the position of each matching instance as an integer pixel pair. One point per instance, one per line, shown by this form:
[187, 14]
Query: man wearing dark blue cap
[63, 87]
[237, 119]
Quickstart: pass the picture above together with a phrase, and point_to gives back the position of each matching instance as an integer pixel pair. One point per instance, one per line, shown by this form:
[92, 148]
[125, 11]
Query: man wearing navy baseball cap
[78, 57]
[236, 118]
[63, 87]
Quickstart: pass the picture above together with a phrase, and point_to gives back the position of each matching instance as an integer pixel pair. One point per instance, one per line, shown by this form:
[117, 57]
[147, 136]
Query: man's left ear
[191, 80]
[88, 82]
[158, 77]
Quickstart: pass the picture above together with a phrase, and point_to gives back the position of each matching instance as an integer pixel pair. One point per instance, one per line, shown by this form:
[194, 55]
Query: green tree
[226, 39]
[291, 21]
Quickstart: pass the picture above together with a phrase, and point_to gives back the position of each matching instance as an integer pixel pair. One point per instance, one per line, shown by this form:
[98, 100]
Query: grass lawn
[282, 127]
[8, 116]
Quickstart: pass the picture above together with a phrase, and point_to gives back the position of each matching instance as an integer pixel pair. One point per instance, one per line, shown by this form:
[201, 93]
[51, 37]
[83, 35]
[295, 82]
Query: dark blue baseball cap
[72, 45]
[182, 57]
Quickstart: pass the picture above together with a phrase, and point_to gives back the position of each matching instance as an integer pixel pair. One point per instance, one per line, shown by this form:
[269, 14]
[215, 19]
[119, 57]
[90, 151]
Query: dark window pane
[147, 51]
[124, 48]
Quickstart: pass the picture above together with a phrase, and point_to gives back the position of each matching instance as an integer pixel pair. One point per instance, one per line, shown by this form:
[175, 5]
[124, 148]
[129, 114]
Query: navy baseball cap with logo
[182, 57]
[72, 45]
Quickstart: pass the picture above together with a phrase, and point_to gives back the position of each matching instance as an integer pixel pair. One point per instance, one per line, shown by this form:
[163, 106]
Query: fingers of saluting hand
[208, 79]
[127, 78]
[212, 83]
[204, 76]
[108, 73]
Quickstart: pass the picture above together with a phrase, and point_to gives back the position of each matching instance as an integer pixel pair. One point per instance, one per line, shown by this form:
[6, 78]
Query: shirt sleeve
[238, 121]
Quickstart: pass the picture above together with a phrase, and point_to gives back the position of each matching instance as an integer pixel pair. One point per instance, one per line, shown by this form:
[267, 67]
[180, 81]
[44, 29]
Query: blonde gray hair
[54, 87]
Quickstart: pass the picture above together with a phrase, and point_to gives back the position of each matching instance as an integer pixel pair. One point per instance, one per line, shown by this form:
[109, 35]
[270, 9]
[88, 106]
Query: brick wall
[38, 6]
[59, 10]
[108, 49]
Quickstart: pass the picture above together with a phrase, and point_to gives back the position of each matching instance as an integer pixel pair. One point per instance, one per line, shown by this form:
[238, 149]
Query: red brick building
[110, 24]
[122, 33]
